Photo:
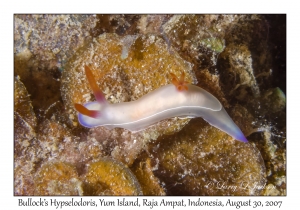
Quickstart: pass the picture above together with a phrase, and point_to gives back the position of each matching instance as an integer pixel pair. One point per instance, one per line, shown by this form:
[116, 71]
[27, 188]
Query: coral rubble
[131, 55]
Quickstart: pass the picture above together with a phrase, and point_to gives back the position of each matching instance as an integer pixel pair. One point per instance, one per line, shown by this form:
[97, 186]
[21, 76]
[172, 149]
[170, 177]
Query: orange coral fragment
[180, 83]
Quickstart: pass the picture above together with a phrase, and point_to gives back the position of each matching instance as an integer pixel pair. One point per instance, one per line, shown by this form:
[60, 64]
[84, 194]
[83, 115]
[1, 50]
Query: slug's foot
[180, 83]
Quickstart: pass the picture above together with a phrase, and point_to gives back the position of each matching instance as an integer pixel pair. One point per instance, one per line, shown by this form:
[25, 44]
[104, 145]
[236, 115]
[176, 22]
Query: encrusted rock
[202, 160]
[149, 182]
[57, 178]
[25, 155]
[110, 177]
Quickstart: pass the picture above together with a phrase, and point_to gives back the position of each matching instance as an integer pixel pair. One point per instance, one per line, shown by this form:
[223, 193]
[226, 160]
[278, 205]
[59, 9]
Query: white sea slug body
[173, 100]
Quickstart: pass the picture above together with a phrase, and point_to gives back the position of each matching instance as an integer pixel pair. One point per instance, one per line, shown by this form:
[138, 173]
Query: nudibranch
[179, 99]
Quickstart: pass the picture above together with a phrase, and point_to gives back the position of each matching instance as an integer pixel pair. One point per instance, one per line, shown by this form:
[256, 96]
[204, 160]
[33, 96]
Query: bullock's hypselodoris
[173, 100]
